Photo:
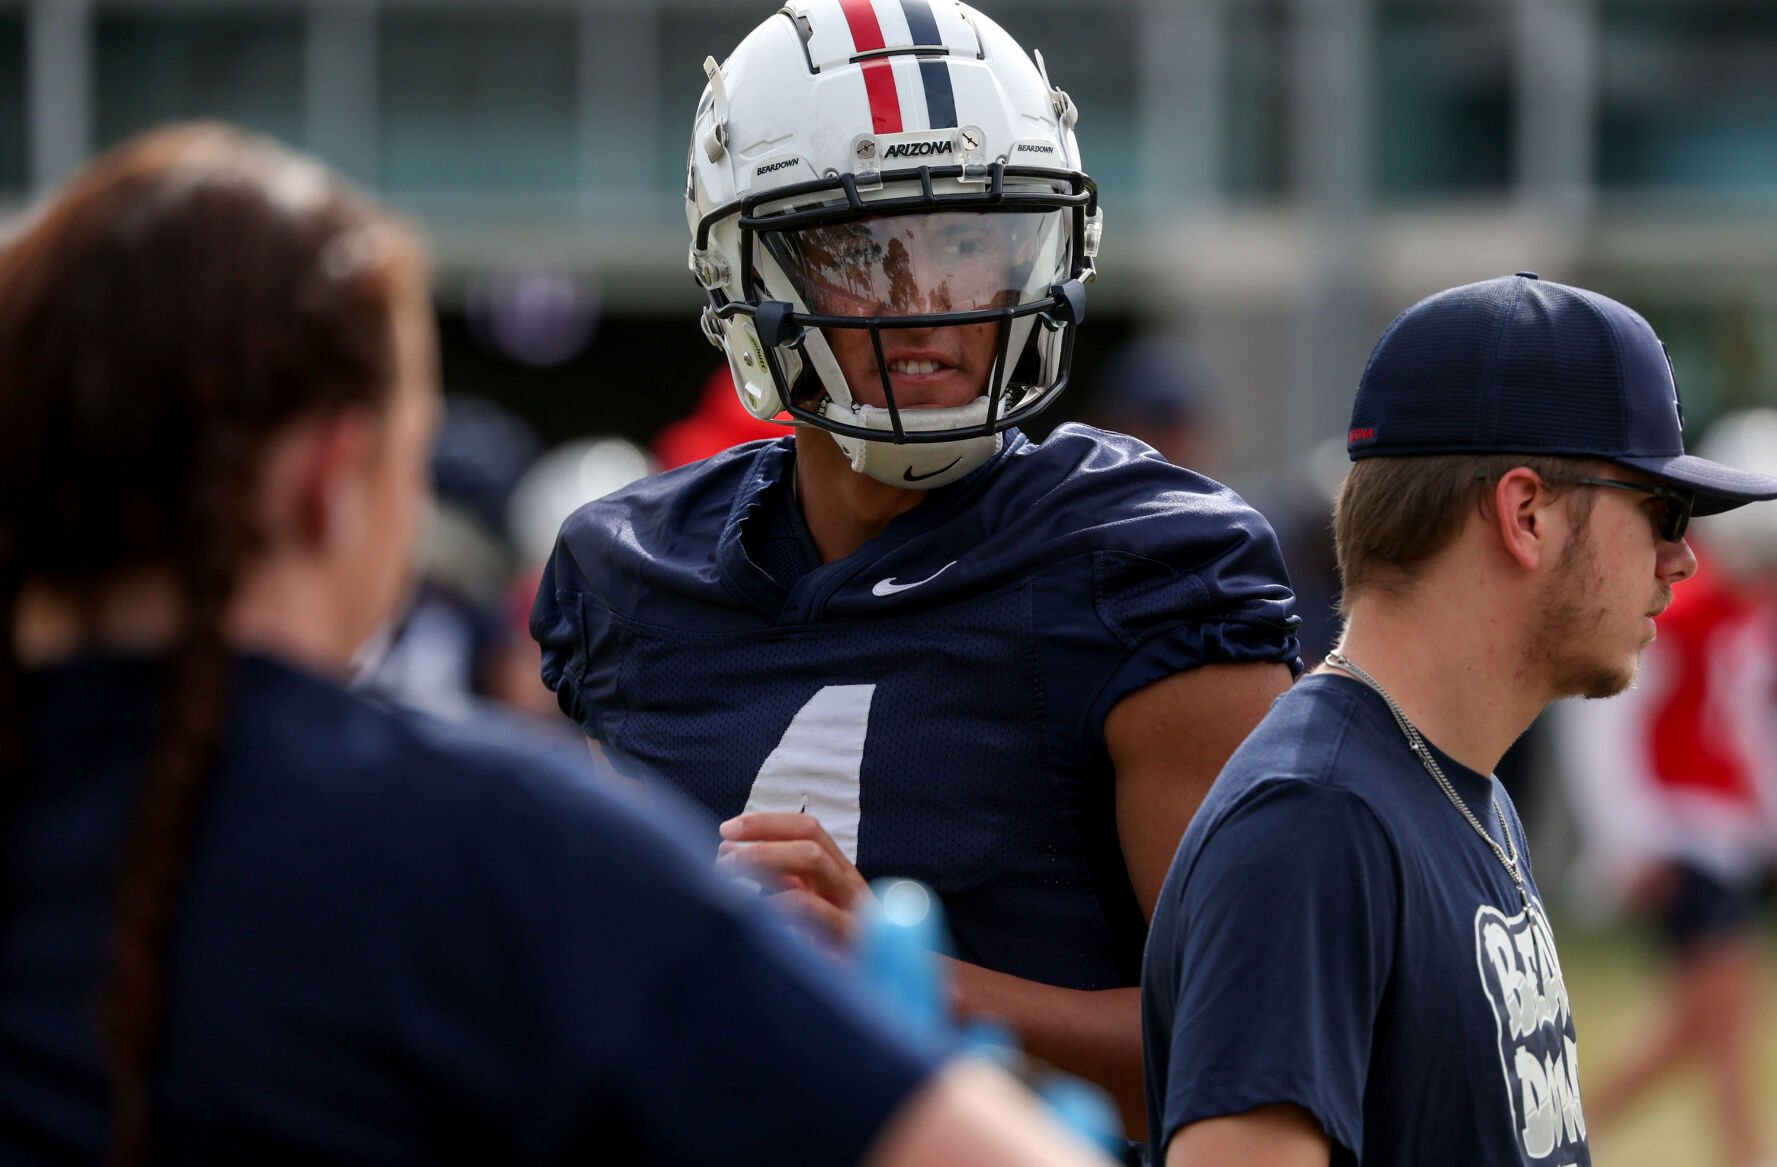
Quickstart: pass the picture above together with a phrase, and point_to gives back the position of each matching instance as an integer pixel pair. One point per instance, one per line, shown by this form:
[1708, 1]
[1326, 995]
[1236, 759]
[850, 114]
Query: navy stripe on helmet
[940, 101]
[934, 73]
[921, 23]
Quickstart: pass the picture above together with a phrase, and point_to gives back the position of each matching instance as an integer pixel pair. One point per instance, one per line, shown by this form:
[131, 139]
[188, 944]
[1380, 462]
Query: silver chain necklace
[1416, 741]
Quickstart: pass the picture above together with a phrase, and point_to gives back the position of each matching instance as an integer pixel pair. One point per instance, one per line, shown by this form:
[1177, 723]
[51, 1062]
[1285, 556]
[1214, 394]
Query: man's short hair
[1392, 515]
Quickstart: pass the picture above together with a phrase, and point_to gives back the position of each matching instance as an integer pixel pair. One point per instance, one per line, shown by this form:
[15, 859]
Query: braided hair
[182, 302]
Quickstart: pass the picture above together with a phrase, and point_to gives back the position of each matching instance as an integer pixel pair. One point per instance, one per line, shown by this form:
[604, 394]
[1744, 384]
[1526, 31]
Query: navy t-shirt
[937, 698]
[406, 942]
[1333, 934]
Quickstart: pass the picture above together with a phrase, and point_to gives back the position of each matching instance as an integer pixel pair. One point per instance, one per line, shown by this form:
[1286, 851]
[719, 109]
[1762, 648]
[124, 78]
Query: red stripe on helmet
[879, 78]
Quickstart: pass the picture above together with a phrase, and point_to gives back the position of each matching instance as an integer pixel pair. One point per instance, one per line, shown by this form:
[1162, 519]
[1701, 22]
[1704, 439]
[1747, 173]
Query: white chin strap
[910, 466]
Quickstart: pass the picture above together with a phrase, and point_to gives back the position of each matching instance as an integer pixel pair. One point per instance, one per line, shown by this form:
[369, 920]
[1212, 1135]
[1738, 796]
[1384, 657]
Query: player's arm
[1094, 1034]
[972, 1115]
[1271, 1136]
[1168, 741]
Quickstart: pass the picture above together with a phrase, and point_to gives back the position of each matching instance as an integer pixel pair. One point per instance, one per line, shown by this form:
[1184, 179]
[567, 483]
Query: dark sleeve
[1212, 591]
[667, 1017]
[652, 538]
[1222, 596]
[1272, 949]
[565, 619]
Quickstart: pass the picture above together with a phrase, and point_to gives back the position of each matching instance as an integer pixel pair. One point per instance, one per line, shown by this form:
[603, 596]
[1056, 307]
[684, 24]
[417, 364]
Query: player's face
[1615, 575]
[398, 482]
[929, 368]
[913, 265]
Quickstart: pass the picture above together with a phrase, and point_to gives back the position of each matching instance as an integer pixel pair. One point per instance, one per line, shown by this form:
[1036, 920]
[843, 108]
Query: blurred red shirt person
[718, 422]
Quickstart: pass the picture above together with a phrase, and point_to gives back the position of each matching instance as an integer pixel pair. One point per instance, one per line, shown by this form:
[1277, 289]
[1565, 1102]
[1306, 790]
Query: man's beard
[1561, 638]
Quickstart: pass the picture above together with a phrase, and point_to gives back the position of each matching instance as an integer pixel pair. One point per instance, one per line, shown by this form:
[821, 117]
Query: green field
[1613, 979]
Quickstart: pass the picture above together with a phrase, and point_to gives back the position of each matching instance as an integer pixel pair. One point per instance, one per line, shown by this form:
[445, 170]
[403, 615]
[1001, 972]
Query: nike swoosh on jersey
[908, 475]
[888, 587]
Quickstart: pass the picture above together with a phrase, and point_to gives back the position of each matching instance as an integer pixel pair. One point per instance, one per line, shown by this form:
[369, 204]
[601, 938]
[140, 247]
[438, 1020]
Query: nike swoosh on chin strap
[908, 475]
[888, 587]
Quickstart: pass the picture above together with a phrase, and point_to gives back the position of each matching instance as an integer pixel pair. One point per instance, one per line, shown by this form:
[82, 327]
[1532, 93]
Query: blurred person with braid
[249, 916]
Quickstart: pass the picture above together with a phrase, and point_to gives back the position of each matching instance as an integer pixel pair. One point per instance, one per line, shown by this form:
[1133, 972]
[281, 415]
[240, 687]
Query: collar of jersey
[771, 468]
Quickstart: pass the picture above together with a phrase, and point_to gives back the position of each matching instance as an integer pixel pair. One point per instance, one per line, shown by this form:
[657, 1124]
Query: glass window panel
[244, 67]
[1443, 80]
[12, 101]
[1688, 94]
[1256, 136]
[480, 100]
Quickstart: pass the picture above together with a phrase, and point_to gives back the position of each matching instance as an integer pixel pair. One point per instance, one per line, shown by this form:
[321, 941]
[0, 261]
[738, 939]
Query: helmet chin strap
[922, 466]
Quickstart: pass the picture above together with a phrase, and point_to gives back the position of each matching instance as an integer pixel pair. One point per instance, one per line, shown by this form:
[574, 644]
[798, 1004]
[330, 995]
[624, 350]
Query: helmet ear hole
[807, 390]
[1027, 371]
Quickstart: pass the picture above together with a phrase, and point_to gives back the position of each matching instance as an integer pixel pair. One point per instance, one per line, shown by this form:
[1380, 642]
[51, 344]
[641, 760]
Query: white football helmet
[871, 169]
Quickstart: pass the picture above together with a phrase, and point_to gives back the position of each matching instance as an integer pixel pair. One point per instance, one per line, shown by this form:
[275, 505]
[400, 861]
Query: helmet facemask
[932, 279]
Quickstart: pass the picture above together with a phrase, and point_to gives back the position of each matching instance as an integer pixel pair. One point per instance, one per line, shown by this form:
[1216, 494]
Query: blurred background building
[1280, 176]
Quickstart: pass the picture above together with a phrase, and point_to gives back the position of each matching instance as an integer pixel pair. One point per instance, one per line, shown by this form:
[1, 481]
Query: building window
[1256, 162]
[1688, 95]
[1443, 76]
[156, 66]
[479, 102]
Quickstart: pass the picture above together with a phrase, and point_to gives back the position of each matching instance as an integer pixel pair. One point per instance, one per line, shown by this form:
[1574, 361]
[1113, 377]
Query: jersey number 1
[816, 764]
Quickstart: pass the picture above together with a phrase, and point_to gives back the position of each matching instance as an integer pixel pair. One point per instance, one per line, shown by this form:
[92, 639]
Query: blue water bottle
[900, 940]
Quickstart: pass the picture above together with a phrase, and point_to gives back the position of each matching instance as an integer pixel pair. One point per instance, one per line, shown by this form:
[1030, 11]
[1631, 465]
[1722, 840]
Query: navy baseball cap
[1520, 365]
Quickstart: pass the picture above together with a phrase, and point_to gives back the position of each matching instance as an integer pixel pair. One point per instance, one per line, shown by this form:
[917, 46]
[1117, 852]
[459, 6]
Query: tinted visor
[906, 265]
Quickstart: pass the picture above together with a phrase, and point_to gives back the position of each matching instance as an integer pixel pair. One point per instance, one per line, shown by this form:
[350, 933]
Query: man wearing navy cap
[1350, 961]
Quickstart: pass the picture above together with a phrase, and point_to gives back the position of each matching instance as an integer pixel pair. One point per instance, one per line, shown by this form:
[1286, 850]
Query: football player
[905, 639]
[252, 916]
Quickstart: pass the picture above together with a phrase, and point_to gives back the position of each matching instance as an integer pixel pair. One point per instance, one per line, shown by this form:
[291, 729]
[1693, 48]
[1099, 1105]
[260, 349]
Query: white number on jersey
[815, 766]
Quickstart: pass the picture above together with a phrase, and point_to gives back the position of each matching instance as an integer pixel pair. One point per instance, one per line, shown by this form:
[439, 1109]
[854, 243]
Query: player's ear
[1521, 510]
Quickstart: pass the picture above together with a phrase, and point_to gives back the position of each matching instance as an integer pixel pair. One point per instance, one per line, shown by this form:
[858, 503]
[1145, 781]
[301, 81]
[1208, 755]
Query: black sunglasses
[1670, 517]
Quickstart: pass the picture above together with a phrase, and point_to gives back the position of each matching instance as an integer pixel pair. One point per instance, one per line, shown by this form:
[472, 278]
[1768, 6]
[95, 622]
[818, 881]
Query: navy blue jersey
[402, 942]
[1333, 934]
[938, 698]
